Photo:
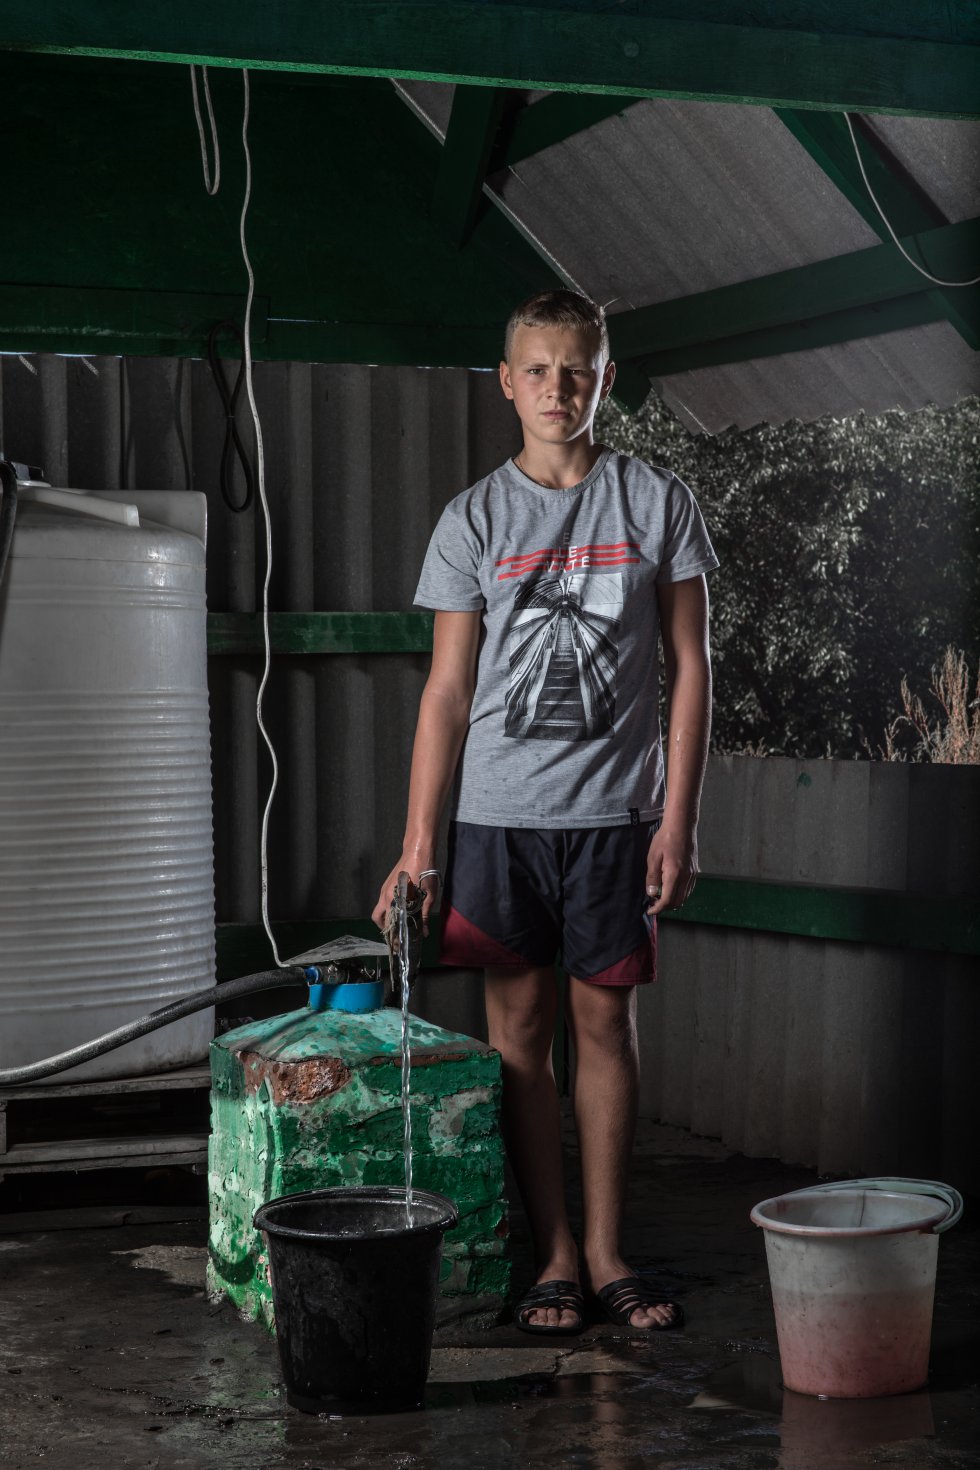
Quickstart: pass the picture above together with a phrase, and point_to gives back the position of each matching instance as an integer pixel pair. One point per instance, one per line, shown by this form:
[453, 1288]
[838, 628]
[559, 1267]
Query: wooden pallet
[108, 1123]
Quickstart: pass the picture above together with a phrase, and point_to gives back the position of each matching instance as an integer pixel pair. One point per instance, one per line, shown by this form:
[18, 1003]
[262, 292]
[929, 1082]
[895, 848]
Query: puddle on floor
[529, 1385]
[606, 1412]
[816, 1432]
[486, 1365]
[611, 1410]
[184, 1265]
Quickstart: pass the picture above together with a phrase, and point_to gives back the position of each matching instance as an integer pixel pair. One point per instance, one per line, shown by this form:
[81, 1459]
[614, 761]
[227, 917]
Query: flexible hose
[175, 1011]
[8, 511]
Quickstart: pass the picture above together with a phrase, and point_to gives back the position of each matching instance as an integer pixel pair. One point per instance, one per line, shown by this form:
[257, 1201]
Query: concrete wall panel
[851, 1057]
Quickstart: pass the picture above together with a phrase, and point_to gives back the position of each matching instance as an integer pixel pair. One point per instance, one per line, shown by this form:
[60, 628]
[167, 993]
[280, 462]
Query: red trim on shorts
[462, 943]
[638, 968]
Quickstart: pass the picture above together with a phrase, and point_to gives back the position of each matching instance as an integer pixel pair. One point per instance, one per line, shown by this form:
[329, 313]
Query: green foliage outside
[850, 558]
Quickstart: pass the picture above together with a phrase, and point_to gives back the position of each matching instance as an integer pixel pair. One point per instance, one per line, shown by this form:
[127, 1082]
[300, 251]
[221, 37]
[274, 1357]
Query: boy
[546, 579]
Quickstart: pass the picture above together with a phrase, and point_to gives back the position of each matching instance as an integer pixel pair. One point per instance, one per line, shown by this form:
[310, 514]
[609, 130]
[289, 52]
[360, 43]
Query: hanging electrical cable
[212, 188]
[246, 339]
[267, 521]
[872, 196]
[233, 448]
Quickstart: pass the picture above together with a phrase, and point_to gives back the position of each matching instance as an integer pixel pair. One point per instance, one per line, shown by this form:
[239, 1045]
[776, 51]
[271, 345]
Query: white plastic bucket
[853, 1273]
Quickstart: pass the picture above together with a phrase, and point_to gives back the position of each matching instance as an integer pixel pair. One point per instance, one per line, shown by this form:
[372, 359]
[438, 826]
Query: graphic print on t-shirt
[564, 657]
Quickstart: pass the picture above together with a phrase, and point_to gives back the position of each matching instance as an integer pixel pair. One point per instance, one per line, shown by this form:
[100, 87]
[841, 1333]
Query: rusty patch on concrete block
[422, 1056]
[295, 1082]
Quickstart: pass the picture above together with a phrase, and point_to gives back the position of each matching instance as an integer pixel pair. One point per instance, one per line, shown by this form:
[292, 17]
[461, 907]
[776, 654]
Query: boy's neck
[557, 466]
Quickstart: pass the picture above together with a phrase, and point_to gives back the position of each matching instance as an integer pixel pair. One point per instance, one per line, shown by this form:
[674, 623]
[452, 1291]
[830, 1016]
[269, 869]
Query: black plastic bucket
[354, 1287]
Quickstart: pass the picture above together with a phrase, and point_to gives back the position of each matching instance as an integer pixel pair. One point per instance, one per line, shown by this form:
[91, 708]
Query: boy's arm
[672, 865]
[444, 714]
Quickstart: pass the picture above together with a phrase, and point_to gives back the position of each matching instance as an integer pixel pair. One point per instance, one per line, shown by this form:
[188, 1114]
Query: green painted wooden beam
[934, 923]
[144, 321]
[321, 632]
[383, 343]
[470, 136]
[555, 118]
[822, 331]
[819, 54]
[825, 137]
[632, 385]
[861, 916]
[176, 324]
[374, 344]
[909, 209]
[479, 140]
[859, 279]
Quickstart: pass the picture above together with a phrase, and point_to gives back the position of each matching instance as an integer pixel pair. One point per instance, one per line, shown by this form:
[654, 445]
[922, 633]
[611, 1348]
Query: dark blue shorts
[518, 896]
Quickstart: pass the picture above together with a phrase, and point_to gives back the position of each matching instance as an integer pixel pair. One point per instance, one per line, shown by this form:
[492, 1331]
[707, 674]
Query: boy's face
[556, 377]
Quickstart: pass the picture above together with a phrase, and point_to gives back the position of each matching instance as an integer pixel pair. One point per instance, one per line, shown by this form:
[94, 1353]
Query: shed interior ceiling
[348, 263]
[382, 232]
[666, 199]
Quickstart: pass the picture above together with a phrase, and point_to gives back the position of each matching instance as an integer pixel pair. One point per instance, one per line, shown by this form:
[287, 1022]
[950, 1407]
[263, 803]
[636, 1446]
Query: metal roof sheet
[670, 198]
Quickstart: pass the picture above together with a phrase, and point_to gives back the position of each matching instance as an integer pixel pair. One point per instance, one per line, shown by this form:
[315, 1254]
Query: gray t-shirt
[564, 726]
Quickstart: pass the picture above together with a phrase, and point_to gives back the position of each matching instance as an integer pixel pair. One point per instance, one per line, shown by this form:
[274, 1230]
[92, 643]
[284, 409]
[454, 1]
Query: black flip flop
[620, 1299]
[564, 1296]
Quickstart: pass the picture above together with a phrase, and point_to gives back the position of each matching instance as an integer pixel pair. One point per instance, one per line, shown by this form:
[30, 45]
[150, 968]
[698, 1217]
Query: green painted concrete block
[312, 1100]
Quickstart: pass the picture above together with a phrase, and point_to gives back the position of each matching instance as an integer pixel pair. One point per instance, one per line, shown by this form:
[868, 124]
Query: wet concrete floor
[112, 1357]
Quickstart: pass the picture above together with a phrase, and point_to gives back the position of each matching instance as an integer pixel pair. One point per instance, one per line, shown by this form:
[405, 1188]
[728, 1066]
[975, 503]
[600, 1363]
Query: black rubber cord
[233, 447]
[175, 1011]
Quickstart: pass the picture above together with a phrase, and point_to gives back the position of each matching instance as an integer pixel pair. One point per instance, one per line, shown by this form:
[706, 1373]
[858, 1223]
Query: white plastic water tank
[106, 872]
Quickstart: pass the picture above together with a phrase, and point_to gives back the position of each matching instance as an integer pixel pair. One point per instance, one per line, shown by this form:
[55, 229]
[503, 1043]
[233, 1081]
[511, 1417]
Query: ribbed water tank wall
[106, 885]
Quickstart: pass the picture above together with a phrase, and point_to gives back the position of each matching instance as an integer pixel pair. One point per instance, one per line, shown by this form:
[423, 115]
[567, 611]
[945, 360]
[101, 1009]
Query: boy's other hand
[414, 867]
[672, 868]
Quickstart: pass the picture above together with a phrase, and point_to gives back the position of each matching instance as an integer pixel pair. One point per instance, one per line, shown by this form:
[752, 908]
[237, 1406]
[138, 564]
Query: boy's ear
[505, 380]
[608, 378]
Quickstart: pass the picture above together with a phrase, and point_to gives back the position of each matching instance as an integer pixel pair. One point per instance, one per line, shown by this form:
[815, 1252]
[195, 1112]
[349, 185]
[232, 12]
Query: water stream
[405, 975]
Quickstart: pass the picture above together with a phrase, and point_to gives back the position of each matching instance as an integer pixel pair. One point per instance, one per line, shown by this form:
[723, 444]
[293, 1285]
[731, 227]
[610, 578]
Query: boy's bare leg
[602, 1020]
[521, 1009]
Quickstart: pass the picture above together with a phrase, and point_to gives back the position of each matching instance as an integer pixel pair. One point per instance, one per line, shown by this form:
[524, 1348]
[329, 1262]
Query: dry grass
[948, 731]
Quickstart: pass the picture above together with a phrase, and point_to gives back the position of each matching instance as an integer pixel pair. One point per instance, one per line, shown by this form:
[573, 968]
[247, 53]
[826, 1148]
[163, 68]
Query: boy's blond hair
[558, 309]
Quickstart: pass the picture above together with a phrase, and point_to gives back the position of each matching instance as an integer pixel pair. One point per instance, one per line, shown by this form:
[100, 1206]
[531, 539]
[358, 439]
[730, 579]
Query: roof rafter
[469, 141]
[478, 118]
[863, 293]
[826, 138]
[829, 330]
[555, 118]
[818, 53]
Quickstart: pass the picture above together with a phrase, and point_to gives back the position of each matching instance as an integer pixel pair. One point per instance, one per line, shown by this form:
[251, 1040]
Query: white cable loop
[914, 263]
[215, 149]
[260, 460]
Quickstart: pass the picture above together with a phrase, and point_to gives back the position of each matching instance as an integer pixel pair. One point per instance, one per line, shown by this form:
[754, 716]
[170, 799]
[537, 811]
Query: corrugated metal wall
[836, 1054]
[359, 463]
[852, 1057]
